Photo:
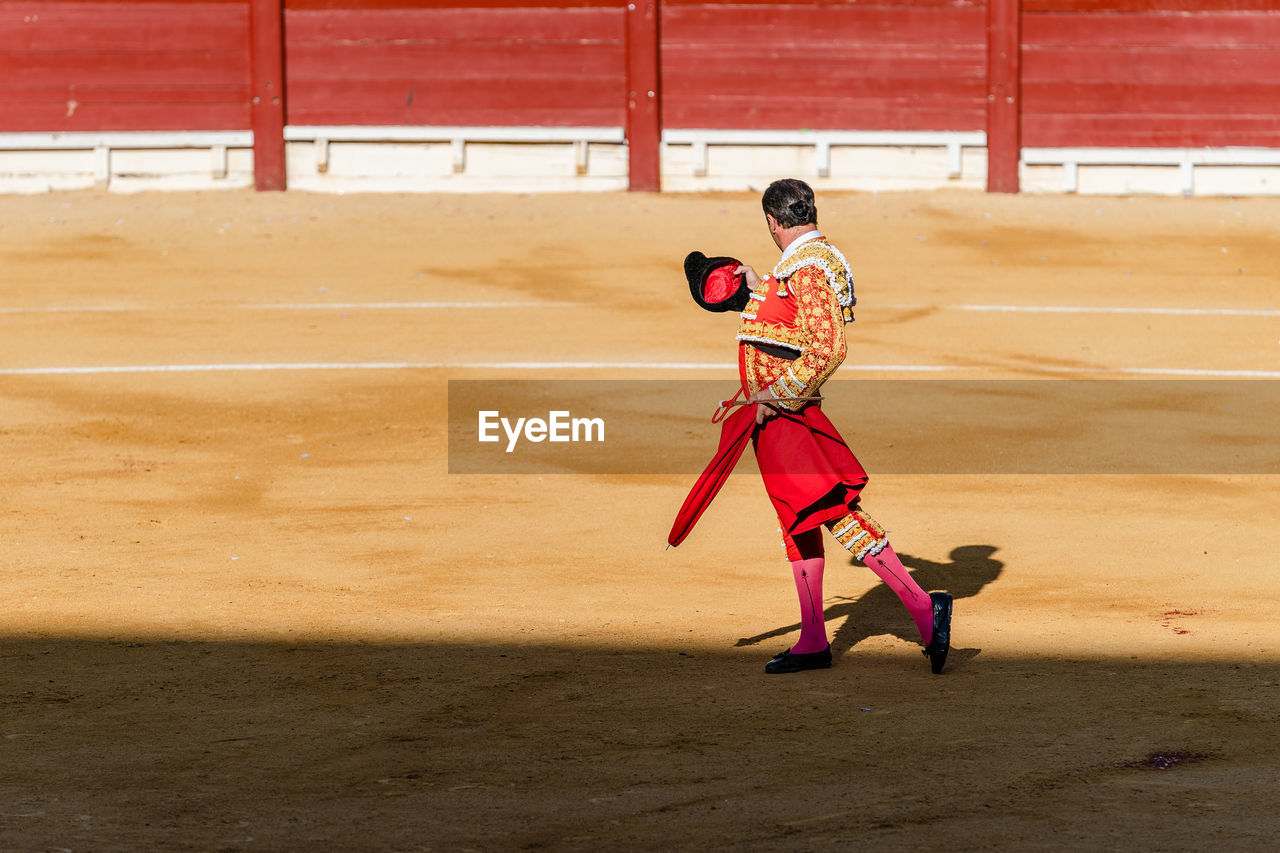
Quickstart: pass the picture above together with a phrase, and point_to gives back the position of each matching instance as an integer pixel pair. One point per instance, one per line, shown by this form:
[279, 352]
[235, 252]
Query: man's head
[788, 204]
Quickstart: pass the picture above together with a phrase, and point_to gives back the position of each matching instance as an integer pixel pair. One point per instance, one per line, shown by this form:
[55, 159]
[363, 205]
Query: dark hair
[790, 201]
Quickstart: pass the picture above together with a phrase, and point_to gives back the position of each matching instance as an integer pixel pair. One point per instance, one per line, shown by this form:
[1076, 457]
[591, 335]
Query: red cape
[734, 432]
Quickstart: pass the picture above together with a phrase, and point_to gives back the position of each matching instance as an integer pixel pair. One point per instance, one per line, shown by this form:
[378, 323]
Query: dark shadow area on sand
[878, 610]
[127, 745]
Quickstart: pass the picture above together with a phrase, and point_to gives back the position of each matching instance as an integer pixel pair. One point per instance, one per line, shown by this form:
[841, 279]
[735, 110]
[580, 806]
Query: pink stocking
[889, 569]
[813, 625]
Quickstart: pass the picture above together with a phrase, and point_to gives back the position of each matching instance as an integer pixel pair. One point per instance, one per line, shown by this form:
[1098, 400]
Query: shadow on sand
[143, 744]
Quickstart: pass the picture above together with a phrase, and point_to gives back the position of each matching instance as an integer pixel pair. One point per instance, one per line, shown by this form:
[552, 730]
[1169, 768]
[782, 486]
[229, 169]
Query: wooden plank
[461, 25]
[566, 102]
[1207, 99]
[942, 116]
[91, 4]
[871, 115]
[417, 94]
[1151, 29]
[1150, 131]
[846, 101]
[168, 67]
[149, 116]
[889, 63]
[1036, 6]
[408, 92]
[803, 25]
[95, 94]
[575, 4]
[827, 4]
[370, 5]
[1151, 65]
[192, 37]
[372, 61]
[481, 115]
[691, 87]
[64, 28]
[1154, 124]
[964, 80]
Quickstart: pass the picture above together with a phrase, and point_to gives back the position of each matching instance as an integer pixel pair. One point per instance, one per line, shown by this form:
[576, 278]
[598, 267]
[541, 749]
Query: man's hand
[765, 409]
[753, 280]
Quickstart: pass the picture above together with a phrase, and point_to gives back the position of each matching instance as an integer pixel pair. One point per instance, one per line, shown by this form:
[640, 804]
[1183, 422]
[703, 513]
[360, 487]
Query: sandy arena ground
[251, 609]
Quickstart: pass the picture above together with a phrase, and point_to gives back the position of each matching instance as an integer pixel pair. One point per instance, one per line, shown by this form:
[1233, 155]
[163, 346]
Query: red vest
[770, 317]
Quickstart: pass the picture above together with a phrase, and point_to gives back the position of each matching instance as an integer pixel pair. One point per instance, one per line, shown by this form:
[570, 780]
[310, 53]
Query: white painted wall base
[455, 159]
[125, 161]
[492, 159]
[408, 167]
[712, 159]
[1152, 171]
[585, 159]
[868, 168]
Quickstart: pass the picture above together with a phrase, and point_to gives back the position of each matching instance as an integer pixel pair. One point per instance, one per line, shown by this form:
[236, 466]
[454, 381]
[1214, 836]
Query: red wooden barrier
[166, 65]
[1061, 73]
[876, 65]
[1171, 73]
[456, 62]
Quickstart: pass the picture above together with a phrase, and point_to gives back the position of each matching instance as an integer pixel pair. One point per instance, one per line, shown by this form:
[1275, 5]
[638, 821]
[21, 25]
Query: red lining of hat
[721, 283]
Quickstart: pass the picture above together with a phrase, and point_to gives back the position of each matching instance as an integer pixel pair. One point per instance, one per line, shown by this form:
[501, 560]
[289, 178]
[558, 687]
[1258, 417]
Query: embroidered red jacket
[799, 311]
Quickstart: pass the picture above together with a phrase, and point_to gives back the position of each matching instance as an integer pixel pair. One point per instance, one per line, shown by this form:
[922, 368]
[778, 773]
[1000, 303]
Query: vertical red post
[266, 65]
[644, 123]
[1004, 98]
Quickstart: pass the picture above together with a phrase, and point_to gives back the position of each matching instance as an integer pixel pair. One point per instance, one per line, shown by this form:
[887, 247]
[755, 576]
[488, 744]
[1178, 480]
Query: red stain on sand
[1177, 629]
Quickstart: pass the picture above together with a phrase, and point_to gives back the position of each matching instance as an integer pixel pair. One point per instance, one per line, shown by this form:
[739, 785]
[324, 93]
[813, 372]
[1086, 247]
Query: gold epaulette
[834, 266]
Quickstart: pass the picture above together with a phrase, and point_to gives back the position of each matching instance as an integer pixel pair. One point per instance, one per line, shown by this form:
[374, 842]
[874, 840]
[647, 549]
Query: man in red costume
[790, 339]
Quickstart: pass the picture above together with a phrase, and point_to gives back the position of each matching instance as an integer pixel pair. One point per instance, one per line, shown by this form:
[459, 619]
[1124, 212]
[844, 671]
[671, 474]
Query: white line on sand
[382, 306]
[1169, 371]
[357, 365]
[420, 365]
[1105, 309]
[445, 305]
[271, 306]
[594, 365]
[65, 309]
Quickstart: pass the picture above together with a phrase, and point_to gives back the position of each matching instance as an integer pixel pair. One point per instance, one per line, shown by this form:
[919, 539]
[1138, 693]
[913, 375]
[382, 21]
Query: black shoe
[789, 661]
[938, 647]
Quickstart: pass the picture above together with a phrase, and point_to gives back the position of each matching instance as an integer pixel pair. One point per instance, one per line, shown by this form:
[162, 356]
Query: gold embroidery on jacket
[835, 269]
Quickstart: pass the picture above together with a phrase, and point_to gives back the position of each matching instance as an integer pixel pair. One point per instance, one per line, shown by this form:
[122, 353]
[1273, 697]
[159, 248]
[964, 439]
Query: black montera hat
[713, 284]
